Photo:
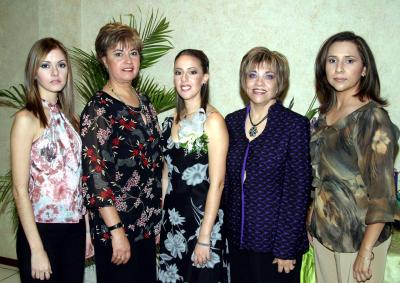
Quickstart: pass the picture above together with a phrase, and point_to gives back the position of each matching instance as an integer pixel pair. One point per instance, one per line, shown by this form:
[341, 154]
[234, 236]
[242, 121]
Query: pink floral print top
[54, 186]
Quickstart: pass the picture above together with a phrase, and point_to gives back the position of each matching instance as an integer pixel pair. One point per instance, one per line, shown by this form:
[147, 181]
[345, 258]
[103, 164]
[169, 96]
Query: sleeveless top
[54, 184]
[184, 206]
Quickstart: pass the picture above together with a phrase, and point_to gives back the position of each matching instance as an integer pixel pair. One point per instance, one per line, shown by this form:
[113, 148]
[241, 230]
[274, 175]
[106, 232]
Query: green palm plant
[155, 34]
[311, 110]
[6, 199]
[12, 98]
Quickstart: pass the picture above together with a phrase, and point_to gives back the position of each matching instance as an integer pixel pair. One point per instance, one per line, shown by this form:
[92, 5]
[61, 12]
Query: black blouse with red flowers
[122, 164]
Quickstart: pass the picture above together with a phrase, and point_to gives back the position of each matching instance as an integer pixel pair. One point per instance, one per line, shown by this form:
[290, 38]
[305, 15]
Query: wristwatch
[115, 226]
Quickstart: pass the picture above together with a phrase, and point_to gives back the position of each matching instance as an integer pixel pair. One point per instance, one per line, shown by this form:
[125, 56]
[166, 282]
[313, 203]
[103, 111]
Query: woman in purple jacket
[268, 176]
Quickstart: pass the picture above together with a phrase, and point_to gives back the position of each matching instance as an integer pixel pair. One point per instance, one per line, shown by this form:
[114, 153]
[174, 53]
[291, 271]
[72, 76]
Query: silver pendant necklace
[253, 130]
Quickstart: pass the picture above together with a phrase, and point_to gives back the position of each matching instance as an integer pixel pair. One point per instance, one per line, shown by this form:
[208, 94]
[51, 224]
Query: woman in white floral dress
[196, 142]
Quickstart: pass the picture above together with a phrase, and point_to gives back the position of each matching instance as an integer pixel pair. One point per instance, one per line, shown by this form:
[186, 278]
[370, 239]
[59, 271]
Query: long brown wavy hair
[38, 52]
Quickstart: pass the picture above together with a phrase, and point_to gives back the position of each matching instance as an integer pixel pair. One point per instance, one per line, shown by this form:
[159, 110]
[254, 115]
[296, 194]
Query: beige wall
[18, 30]
[21, 24]
[225, 30]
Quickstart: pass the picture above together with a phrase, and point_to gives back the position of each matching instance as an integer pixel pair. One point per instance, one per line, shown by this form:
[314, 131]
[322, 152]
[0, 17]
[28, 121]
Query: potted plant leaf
[155, 33]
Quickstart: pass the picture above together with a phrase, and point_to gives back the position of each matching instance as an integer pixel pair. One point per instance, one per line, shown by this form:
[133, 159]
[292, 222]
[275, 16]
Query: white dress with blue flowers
[184, 206]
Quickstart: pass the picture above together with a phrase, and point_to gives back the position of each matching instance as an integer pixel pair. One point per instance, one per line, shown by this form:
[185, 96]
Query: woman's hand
[286, 265]
[362, 266]
[157, 239]
[26, 128]
[310, 239]
[89, 249]
[308, 221]
[121, 247]
[201, 254]
[40, 265]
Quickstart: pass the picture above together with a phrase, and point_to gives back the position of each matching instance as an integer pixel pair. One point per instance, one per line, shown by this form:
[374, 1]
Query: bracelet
[116, 226]
[371, 257]
[203, 244]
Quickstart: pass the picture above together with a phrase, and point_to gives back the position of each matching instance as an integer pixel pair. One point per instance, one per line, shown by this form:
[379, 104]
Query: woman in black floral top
[352, 151]
[122, 164]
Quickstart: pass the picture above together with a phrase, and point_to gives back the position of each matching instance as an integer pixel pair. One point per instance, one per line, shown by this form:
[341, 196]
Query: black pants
[141, 267]
[65, 247]
[252, 267]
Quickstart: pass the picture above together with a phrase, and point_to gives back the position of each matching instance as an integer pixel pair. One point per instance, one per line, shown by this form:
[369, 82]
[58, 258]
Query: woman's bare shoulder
[214, 118]
[25, 116]
[26, 122]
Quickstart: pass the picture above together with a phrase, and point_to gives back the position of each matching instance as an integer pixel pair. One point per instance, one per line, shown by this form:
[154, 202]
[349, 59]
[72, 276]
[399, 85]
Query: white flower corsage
[191, 133]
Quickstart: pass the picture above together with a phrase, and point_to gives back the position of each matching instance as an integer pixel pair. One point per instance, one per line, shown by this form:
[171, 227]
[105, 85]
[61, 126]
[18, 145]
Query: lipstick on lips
[55, 82]
[127, 69]
[258, 91]
[339, 79]
[185, 87]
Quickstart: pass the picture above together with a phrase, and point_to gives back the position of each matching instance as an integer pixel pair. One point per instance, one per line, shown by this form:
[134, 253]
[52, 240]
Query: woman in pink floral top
[122, 164]
[46, 166]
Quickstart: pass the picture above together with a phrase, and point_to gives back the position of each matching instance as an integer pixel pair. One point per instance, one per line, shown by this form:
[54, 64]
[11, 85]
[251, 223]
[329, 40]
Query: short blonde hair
[114, 33]
[262, 55]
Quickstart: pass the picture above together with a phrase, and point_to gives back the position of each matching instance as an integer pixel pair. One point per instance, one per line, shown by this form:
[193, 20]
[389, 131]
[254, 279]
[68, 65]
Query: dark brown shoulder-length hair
[38, 52]
[369, 84]
[205, 89]
[277, 61]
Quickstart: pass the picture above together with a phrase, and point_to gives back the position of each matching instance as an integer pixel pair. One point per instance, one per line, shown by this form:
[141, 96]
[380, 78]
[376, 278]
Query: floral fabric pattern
[352, 164]
[122, 164]
[191, 134]
[184, 207]
[54, 184]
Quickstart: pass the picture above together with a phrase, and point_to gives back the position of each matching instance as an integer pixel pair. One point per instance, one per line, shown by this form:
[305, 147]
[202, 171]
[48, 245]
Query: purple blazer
[266, 213]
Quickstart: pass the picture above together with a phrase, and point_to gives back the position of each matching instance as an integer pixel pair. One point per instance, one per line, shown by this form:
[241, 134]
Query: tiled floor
[9, 274]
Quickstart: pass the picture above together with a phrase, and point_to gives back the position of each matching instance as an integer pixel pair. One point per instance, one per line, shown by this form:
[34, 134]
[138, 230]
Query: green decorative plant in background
[155, 33]
[12, 98]
[311, 110]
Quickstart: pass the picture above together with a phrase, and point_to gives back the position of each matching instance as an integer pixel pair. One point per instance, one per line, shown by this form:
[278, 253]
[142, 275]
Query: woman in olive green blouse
[352, 149]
